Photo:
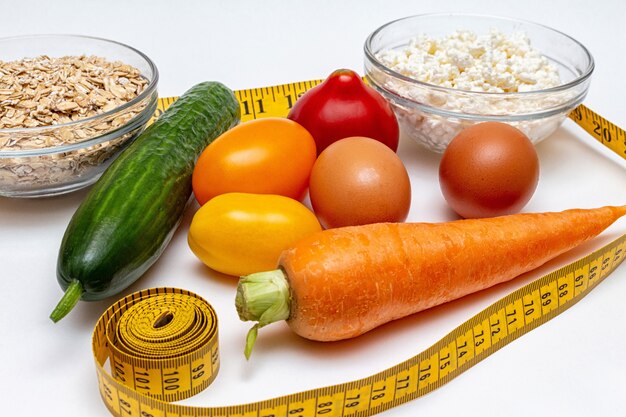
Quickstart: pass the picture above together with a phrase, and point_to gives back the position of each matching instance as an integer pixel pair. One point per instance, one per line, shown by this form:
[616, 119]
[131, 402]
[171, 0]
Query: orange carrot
[340, 283]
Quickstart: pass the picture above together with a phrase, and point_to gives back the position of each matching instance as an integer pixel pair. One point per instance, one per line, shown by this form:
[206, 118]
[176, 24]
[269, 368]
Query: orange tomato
[264, 156]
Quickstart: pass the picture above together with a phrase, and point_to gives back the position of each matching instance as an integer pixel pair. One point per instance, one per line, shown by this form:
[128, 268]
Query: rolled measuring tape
[161, 345]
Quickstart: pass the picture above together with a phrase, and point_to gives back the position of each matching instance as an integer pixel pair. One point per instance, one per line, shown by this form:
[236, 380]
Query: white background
[574, 365]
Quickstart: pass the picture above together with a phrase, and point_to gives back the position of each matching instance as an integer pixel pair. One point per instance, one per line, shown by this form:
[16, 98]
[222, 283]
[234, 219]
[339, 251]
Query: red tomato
[264, 156]
[359, 181]
[343, 106]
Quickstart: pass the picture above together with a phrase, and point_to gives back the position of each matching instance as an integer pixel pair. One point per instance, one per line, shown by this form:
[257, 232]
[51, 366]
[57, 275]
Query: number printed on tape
[137, 386]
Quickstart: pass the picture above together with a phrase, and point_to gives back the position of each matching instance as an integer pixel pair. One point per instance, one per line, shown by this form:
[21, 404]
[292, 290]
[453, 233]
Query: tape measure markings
[605, 132]
[474, 340]
[276, 101]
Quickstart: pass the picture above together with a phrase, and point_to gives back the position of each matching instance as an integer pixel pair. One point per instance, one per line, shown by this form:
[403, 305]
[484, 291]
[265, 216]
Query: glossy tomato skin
[489, 169]
[358, 181]
[242, 233]
[343, 106]
[265, 156]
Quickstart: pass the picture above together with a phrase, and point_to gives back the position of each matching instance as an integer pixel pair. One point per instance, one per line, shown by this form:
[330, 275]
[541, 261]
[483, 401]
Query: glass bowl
[433, 115]
[65, 157]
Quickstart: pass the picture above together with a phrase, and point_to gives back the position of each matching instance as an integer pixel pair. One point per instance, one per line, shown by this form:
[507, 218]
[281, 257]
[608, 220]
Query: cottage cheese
[467, 62]
[494, 62]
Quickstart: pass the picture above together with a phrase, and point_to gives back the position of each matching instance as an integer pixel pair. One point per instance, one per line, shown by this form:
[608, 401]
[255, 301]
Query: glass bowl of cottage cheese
[445, 72]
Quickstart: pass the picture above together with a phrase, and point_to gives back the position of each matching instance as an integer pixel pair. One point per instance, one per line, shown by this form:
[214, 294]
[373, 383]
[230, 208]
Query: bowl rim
[149, 90]
[561, 87]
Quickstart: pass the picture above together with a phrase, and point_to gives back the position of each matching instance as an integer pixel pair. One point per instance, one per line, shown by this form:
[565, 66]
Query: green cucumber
[130, 214]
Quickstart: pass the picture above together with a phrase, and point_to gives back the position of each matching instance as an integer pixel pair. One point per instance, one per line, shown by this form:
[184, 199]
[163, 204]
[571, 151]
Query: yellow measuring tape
[276, 101]
[162, 344]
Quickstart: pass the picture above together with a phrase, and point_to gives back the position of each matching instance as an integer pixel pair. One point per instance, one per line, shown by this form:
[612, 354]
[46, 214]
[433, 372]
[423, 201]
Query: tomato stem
[68, 301]
[262, 297]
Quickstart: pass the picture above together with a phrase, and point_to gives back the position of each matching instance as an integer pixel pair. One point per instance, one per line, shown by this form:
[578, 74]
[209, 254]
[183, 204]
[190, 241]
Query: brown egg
[357, 181]
[489, 169]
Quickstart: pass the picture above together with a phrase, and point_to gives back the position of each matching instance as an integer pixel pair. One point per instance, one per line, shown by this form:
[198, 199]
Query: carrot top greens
[262, 297]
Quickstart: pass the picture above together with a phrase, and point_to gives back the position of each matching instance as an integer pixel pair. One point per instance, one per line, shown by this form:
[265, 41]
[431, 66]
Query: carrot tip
[262, 297]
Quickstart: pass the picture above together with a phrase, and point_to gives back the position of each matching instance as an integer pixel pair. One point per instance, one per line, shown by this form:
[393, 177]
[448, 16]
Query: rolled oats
[45, 93]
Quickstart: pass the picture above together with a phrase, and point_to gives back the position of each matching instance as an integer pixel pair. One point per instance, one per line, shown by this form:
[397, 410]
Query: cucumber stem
[262, 297]
[68, 301]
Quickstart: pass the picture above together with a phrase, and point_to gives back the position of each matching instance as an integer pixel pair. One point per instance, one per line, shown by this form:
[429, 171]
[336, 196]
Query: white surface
[574, 365]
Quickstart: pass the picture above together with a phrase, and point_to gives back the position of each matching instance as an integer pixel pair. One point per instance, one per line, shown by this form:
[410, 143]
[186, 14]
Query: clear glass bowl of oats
[445, 72]
[68, 106]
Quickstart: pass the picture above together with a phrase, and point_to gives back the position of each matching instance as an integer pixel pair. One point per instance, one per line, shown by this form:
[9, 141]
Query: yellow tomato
[242, 233]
